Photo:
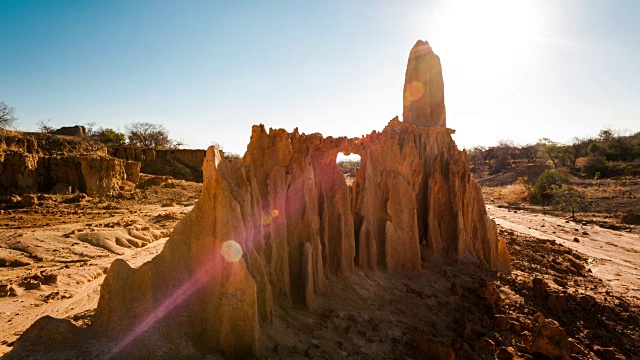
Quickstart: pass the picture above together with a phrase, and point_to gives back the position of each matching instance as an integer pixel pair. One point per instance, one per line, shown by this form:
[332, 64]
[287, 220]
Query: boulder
[77, 131]
[549, 339]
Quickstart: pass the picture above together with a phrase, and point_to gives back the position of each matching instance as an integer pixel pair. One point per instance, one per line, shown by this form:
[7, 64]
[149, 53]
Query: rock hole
[348, 165]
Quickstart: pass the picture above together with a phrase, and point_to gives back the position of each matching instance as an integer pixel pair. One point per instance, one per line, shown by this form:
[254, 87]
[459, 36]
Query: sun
[488, 33]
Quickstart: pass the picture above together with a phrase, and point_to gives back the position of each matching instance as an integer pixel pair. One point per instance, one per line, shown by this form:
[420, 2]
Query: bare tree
[150, 135]
[44, 127]
[7, 115]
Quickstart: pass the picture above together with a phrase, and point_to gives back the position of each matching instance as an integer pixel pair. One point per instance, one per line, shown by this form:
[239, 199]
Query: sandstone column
[424, 88]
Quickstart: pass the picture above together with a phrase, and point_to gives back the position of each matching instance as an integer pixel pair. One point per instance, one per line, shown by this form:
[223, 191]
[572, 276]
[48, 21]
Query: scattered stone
[539, 284]
[491, 295]
[29, 200]
[31, 284]
[505, 353]
[549, 339]
[501, 322]
[8, 290]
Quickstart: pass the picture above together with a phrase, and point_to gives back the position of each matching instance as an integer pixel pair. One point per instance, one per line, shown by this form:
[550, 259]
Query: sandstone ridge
[35, 162]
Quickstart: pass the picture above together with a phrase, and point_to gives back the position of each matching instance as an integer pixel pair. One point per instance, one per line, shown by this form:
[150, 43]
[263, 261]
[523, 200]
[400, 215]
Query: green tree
[542, 191]
[108, 136]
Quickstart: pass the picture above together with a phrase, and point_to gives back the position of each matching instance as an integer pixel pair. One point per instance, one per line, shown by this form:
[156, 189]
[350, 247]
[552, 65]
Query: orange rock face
[424, 88]
[273, 228]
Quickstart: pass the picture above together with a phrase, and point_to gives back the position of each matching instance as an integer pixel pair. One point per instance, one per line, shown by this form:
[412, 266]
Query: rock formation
[32, 163]
[424, 88]
[272, 229]
[184, 164]
[77, 131]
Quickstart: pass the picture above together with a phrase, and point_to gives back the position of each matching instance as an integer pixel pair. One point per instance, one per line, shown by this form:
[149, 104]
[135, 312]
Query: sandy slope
[77, 242]
[77, 290]
[615, 255]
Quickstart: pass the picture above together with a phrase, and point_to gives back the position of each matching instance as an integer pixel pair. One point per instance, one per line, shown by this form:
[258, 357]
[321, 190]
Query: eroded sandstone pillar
[424, 88]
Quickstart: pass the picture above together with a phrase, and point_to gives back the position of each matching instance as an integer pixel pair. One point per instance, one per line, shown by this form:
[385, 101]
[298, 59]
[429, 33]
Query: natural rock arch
[286, 205]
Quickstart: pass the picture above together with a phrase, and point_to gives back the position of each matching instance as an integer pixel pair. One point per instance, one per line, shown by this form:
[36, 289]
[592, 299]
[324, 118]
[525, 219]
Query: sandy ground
[614, 256]
[367, 315]
[74, 244]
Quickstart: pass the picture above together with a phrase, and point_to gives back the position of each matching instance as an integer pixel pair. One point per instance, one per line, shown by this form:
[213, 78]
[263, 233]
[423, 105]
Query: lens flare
[275, 213]
[413, 91]
[231, 251]
[266, 219]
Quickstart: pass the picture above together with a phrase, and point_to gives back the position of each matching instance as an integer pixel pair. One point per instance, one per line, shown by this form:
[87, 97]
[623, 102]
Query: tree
[7, 115]
[577, 149]
[44, 127]
[108, 136]
[530, 152]
[568, 199]
[476, 155]
[554, 151]
[150, 135]
[542, 191]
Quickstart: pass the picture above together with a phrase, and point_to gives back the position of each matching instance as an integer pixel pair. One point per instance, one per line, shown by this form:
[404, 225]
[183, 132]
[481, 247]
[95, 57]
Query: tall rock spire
[424, 88]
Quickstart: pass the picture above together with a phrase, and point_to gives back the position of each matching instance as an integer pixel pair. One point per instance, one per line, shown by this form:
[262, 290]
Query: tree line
[610, 153]
[145, 134]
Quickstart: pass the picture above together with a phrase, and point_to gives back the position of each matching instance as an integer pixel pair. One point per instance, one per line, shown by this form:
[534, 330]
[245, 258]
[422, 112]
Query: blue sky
[208, 70]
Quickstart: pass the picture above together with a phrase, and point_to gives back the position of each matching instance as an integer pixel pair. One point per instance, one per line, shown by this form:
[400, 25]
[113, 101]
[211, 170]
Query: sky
[208, 70]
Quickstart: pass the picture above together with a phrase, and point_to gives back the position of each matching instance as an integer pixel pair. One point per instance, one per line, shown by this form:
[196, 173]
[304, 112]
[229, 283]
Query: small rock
[31, 284]
[575, 239]
[29, 200]
[539, 284]
[501, 322]
[549, 339]
[505, 353]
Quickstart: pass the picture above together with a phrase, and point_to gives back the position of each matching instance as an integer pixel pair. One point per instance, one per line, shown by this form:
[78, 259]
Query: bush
[108, 136]
[543, 190]
[596, 164]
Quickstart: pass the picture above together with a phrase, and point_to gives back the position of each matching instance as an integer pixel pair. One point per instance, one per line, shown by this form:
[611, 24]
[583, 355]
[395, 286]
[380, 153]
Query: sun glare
[486, 34]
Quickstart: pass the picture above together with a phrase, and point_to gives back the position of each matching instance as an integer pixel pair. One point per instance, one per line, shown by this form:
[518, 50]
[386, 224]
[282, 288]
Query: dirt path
[615, 255]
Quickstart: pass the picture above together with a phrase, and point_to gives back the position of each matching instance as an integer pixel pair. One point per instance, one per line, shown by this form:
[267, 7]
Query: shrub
[543, 190]
[595, 164]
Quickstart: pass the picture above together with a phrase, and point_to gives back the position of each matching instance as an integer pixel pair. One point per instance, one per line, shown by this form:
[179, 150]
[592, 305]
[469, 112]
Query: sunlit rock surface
[424, 88]
[272, 229]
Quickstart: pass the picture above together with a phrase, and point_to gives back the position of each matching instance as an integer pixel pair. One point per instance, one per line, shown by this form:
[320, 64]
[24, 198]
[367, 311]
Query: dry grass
[598, 189]
[510, 194]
